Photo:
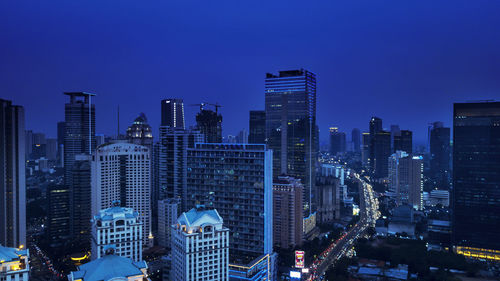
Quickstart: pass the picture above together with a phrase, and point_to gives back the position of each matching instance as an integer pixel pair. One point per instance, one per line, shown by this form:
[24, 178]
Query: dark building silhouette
[80, 199]
[210, 125]
[12, 175]
[58, 215]
[337, 141]
[382, 150]
[140, 132]
[61, 128]
[440, 149]
[356, 140]
[172, 113]
[375, 127]
[257, 126]
[403, 142]
[291, 129]
[476, 178]
[365, 149]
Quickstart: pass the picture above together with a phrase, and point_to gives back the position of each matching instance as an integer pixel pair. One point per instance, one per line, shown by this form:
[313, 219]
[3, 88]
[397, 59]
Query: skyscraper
[287, 212]
[210, 125]
[235, 179]
[121, 172]
[61, 128]
[476, 179]
[168, 210]
[356, 140]
[12, 175]
[403, 141]
[172, 113]
[375, 128]
[365, 149]
[200, 246]
[406, 179]
[382, 151]
[51, 149]
[257, 126]
[291, 129]
[140, 132]
[28, 140]
[337, 141]
[80, 198]
[58, 215]
[440, 150]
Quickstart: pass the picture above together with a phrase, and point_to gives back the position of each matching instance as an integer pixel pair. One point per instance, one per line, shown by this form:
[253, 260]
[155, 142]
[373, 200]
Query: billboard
[299, 259]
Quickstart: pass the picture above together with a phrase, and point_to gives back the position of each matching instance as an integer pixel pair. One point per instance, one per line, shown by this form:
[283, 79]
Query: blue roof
[108, 267]
[9, 254]
[193, 217]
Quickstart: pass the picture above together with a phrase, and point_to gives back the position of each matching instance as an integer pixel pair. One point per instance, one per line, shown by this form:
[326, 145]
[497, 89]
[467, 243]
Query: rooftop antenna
[118, 124]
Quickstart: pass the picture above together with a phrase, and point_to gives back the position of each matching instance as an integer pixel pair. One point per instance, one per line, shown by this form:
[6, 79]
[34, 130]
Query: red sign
[299, 259]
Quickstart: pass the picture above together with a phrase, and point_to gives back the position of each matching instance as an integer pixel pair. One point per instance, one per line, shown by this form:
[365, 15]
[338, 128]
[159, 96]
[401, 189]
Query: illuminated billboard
[299, 259]
[295, 274]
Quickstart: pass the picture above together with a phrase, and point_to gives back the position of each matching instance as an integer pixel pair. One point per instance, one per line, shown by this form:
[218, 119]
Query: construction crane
[203, 104]
[216, 105]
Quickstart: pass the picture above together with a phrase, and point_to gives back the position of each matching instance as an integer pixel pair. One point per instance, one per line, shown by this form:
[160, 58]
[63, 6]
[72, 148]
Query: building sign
[299, 259]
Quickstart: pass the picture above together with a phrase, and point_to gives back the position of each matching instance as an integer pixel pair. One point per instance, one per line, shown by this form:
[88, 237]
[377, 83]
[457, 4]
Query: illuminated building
[167, 216]
[111, 267]
[172, 113]
[375, 127]
[140, 132]
[257, 127]
[337, 141]
[476, 178]
[117, 228]
[12, 175]
[121, 171]
[210, 125]
[291, 130]
[329, 198]
[365, 149]
[439, 142]
[58, 221]
[287, 212]
[261, 268]
[200, 246]
[14, 264]
[406, 179]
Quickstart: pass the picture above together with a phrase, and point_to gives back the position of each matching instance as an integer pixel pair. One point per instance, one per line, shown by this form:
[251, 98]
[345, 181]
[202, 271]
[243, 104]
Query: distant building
[12, 175]
[172, 113]
[200, 247]
[100, 139]
[51, 149]
[111, 267]
[14, 263]
[403, 142]
[382, 151]
[61, 128]
[476, 180]
[121, 171]
[119, 229]
[210, 125]
[80, 201]
[402, 221]
[365, 149]
[167, 216]
[440, 149]
[406, 179]
[257, 127]
[329, 198]
[439, 232]
[287, 212]
[140, 132]
[28, 139]
[242, 137]
[337, 141]
[356, 140]
[375, 127]
[439, 197]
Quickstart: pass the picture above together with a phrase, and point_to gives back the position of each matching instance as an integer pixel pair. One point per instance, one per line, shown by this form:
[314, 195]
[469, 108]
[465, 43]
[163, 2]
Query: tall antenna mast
[118, 124]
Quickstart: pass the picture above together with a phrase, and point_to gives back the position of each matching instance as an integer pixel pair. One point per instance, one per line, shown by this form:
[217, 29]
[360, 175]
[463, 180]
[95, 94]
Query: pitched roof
[108, 267]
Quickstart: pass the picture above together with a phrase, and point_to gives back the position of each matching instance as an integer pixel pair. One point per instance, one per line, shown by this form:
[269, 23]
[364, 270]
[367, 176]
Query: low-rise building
[14, 264]
[111, 267]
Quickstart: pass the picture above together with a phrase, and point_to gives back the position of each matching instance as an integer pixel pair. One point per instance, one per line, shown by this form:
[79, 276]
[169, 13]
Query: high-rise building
[356, 140]
[403, 142]
[51, 149]
[210, 125]
[61, 129]
[168, 210]
[375, 128]
[440, 149]
[242, 137]
[80, 201]
[14, 263]
[257, 126]
[120, 229]
[235, 179]
[476, 179]
[329, 198]
[291, 129]
[140, 132]
[406, 179]
[337, 141]
[287, 212]
[382, 149]
[111, 267]
[29, 144]
[200, 247]
[121, 172]
[172, 113]
[58, 215]
[12, 175]
[39, 146]
[365, 149]
[395, 132]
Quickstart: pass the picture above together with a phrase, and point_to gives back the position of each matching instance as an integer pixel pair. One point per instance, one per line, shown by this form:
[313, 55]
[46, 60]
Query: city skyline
[447, 62]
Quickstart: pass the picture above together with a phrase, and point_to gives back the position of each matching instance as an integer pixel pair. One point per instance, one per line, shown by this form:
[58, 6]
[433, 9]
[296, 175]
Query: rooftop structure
[111, 267]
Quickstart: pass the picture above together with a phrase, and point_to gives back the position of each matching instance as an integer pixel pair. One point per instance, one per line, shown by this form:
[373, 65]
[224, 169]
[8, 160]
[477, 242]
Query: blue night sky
[403, 61]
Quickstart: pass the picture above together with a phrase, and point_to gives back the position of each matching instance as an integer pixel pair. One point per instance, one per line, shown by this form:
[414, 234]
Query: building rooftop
[110, 267]
[198, 217]
[115, 213]
[121, 146]
[9, 254]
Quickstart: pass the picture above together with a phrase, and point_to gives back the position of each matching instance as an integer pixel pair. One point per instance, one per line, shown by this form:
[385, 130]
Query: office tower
[200, 246]
[356, 140]
[257, 126]
[111, 267]
[80, 201]
[230, 139]
[12, 175]
[118, 228]
[172, 113]
[403, 142]
[168, 210]
[406, 179]
[58, 216]
[100, 139]
[51, 149]
[29, 143]
[395, 132]
[476, 178]
[287, 212]
[440, 151]
[172, 162]
[382, 149]
[365, 149]
[14, 263]
[210, 125]
[121, 172]
[242, 137]
[329, 198]
[39, 146]
[140, 132]
[61, 128]
[375, 128]
[337, 141]
[235, 179]
[291, 129]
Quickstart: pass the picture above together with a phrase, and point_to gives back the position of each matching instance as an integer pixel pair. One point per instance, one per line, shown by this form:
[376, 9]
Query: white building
[120, 229]
[406, 179]
[167, 216]
[200, 246]
[14, 264]
[121, 172]
[111, 267]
